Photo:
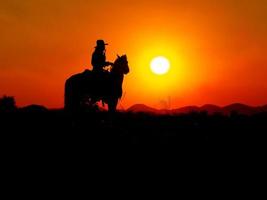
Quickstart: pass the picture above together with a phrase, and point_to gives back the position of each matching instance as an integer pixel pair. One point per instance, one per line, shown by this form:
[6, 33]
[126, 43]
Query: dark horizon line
[159, 109]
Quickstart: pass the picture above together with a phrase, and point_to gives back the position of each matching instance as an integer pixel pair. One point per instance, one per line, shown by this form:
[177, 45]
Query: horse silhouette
[89, 87]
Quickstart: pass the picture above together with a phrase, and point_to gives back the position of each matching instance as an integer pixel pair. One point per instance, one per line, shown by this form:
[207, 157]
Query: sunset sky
[217, 49]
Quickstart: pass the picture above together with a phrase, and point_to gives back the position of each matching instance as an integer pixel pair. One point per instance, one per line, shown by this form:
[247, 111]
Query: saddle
[100, 82]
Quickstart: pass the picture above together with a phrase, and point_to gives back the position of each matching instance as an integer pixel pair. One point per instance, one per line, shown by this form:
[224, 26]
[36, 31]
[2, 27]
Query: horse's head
[121, 65]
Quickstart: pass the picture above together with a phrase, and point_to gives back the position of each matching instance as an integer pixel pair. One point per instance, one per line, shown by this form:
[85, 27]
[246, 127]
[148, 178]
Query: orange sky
[217, 49]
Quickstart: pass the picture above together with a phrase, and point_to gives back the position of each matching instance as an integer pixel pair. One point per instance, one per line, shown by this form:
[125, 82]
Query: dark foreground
[51, 145]
[196, 133]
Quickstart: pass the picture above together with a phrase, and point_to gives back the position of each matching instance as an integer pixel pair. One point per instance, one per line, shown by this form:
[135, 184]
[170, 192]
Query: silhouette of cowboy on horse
[88, 87]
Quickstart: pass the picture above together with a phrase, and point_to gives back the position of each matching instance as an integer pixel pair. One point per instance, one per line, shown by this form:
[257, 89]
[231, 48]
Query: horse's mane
[120, 59]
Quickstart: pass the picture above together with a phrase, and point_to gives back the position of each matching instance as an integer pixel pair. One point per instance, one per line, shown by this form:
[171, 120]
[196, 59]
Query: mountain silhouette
[34, 108]
[240, 108]
[185, 109]
[139, 108]
[263, 108]
[209, 108]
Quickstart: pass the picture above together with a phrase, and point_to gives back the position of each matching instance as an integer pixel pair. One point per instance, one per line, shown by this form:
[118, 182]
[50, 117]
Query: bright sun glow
[160, 65]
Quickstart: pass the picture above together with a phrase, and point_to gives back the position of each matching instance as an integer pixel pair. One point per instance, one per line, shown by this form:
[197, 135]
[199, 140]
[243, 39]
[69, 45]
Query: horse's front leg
[112, 105]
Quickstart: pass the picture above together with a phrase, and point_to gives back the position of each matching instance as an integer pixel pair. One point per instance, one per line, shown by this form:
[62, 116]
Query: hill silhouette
[137, 108]
[209, 108]
[184, 110]
[34, 108]
[188, 132]
[240, 108]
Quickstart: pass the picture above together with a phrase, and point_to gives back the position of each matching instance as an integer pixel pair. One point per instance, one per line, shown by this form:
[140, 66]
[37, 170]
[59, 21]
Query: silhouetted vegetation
[7, 104]
[196, 133]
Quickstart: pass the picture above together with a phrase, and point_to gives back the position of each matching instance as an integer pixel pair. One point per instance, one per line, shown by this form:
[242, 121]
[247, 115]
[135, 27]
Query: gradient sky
[217, 49]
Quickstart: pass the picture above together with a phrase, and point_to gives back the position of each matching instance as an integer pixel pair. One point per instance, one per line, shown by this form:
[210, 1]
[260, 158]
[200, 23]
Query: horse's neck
[116, 72]
[117, 76]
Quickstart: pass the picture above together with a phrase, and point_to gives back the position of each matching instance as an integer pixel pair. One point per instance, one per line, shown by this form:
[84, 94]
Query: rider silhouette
[99, 63]
[99, 57]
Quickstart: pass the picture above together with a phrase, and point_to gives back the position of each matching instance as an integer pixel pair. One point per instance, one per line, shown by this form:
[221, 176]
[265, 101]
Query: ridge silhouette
[209, 108]
[45, 133]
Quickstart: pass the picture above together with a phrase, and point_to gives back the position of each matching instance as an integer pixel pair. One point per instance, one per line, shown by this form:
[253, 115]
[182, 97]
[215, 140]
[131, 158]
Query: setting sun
[192, 51]
[160, 65]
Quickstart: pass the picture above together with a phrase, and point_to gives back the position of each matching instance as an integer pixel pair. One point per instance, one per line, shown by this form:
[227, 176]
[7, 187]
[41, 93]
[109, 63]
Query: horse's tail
[70, 95]
[75, 88]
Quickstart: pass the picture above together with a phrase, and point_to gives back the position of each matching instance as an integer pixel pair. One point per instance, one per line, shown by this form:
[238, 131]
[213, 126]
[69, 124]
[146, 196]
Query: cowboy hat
[100, 43]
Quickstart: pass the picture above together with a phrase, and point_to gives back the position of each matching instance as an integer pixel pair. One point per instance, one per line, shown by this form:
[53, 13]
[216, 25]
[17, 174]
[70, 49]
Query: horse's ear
[118, 56]
[124, 56]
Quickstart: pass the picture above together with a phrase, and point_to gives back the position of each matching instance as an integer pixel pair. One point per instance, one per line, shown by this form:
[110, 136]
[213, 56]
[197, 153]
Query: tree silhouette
[7, 104]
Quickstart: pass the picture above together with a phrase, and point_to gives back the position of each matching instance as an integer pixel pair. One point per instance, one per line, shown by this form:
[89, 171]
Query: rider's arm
[109, 63]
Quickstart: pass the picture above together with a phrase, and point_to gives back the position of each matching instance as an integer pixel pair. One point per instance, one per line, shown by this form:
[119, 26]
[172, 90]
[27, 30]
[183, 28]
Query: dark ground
[55, 145]
[199, 133]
